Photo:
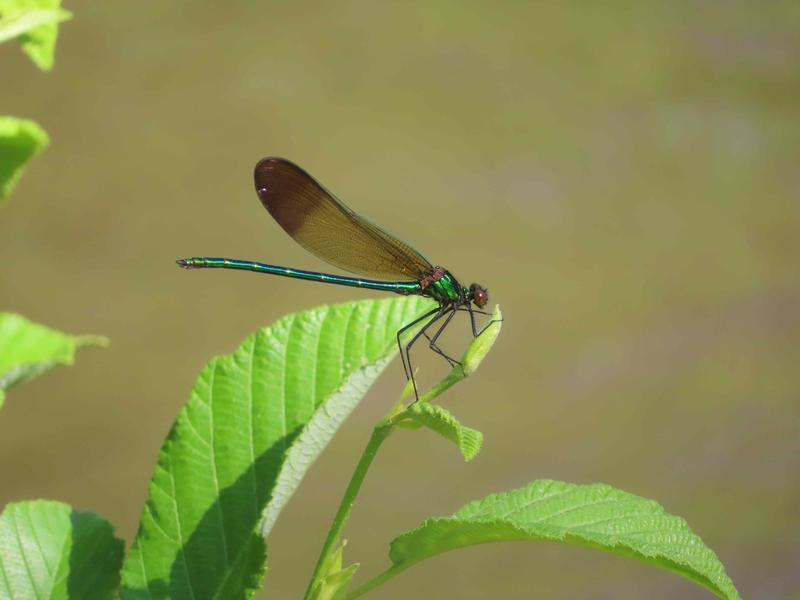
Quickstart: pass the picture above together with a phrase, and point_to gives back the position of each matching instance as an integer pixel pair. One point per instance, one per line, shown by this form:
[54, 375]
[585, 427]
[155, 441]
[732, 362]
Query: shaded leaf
[28, 349]
[255, 421]
[20, 140]
[443, 422]
[597, 516]
[49, 551]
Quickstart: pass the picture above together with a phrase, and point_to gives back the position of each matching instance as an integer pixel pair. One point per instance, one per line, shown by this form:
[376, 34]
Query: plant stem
[377, 580]
[379, 434]
[472, 357]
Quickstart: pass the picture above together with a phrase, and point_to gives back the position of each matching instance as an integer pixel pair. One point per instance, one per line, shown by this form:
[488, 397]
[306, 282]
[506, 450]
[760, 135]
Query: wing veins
[328, 228]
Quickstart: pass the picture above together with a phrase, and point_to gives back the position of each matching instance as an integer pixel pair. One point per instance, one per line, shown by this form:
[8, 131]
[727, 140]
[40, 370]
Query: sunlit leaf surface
[255, 421]
[18, 23]
[440, 420]
[49, 551]
[35, 24]
[20, 140]
[28, 349]
[596, 515]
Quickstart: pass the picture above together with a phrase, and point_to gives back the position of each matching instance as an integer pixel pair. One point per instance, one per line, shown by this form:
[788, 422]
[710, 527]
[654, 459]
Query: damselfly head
[479, 295]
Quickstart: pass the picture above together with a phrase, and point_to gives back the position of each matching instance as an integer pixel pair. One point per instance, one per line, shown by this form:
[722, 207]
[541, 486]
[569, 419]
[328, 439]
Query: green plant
[28, 349]
[35, 24]
[47, 549]
[255, 422]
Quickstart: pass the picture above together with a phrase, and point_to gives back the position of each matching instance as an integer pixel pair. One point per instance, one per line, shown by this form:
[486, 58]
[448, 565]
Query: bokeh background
[623, 176]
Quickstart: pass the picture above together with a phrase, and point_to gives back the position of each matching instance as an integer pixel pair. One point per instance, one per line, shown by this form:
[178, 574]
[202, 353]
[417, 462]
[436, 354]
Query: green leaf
[39, 41]
[18, 23]
[28, 349]
[481, 345]
[255, 421]
[20, 140]
[49, 551]
[441, 421]
[597, 516]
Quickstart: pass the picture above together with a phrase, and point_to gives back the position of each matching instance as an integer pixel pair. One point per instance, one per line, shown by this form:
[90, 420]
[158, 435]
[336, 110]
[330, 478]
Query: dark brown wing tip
[266, 168]
[269, 161]
[273, 163]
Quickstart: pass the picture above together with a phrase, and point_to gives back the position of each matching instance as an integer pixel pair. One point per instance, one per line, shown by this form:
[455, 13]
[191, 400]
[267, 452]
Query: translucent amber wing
[330, 230]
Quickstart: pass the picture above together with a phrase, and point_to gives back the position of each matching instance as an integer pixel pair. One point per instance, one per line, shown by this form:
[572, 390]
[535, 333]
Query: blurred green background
[622, 176]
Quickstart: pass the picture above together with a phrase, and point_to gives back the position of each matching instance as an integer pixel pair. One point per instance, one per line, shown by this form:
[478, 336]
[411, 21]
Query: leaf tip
[100, 341]
[481, 345]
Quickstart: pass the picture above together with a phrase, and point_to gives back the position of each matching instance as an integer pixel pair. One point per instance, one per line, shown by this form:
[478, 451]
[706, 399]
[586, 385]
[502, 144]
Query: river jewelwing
[324, 226]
